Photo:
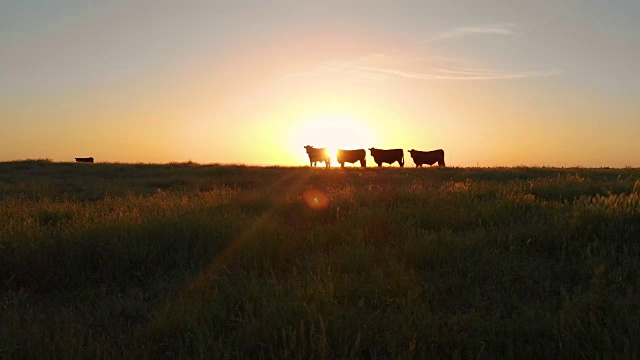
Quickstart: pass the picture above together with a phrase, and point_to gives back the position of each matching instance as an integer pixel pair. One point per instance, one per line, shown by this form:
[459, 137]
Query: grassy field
[189, 261]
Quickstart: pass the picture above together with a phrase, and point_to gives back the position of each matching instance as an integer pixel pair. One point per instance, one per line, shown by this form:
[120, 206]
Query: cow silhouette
[318, 155]
[352, 156]
[84, 159]
[387, 156]
[427, 157]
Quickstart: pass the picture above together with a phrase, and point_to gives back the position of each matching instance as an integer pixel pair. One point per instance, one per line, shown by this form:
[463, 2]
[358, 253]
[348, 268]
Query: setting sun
[334, 132]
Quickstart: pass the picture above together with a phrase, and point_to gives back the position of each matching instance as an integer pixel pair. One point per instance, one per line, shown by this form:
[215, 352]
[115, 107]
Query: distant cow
[351, 156]
[427, 157]
[86, 160]
[318, 155]
[387, 156]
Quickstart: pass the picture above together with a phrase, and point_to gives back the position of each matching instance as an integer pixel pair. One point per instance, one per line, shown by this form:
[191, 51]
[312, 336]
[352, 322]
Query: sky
[493, 83]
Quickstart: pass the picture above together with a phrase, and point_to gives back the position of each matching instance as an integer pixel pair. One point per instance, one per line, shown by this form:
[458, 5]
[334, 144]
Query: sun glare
[334, 132]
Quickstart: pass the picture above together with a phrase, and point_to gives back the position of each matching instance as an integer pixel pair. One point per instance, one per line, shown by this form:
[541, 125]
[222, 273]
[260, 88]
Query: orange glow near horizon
[334, 132]
[258, 97]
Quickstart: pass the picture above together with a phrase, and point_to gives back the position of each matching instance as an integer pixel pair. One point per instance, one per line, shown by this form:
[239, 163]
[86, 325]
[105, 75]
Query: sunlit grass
[183, 260]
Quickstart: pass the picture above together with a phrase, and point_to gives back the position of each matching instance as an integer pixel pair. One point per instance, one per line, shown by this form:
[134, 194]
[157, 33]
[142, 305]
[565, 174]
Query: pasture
[189, 261]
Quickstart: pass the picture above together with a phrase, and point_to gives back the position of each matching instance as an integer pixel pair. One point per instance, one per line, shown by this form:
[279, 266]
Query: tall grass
[189, 261]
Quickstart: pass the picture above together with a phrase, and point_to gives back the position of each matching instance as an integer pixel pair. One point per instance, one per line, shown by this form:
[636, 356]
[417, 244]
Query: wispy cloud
[368, 70]
[494, 29]
[377, 72]
[453, 74]
[417, 65]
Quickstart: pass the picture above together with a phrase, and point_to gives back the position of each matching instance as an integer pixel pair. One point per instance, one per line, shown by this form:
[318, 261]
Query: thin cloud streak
[452, 74]
[372, 72]
[398, 65]
[495, 29]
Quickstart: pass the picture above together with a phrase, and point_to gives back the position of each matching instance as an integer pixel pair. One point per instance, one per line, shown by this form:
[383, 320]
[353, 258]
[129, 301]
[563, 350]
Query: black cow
[85, 159]
[387, 156]
[318, 155]
[351, 156]
[427, 157]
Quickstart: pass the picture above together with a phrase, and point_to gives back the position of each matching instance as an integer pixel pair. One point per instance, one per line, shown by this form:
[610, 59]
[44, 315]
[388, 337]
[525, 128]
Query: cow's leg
[342, 164]
[379, 164]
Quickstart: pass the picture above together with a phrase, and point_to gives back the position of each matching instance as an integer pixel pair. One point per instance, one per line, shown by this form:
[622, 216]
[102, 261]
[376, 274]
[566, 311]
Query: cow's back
[388, 156]
[317, 154]
[351, 155]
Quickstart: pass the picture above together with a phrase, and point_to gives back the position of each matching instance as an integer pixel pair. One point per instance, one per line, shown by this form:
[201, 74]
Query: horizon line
[232, 164]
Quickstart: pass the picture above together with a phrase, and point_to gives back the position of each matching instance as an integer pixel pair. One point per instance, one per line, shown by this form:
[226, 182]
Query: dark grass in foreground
[145, 261]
